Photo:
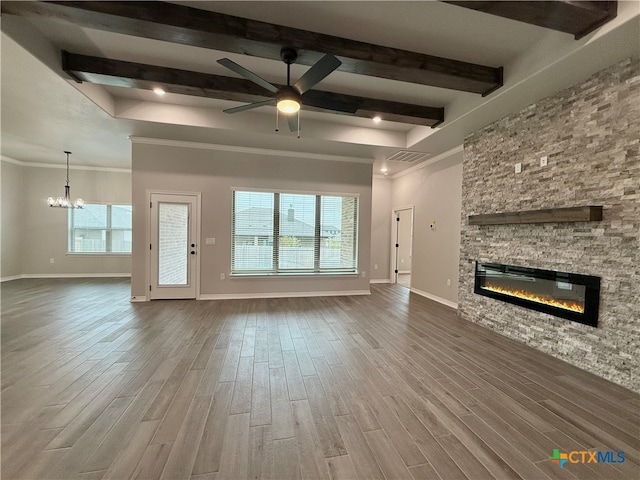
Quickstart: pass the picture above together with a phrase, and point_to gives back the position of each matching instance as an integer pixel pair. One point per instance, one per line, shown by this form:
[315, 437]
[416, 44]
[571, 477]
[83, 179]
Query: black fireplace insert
[567, 295]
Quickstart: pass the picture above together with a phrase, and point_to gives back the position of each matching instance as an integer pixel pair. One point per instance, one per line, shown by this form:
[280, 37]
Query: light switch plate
[518, 167]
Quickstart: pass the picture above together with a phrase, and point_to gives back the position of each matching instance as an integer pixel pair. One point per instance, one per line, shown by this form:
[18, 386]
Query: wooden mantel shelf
[547, 215]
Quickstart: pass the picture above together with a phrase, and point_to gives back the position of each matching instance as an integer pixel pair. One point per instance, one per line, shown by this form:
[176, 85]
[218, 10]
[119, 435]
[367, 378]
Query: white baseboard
[138, 298]
[66, 275]
[435, 298]
[8, 279]
[76, 275]
[380, 280]
[245, 296]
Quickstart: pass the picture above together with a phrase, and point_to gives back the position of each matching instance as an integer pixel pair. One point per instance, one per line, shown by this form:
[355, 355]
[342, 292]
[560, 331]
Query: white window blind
[253, 232]
[100, 228]
[338, 232]
[294, 233]
[297, 235]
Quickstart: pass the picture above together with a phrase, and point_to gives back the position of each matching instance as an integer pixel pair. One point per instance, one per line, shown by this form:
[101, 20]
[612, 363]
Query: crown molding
[431, 161]
[64, 167]
[11, 160]
[250, 150]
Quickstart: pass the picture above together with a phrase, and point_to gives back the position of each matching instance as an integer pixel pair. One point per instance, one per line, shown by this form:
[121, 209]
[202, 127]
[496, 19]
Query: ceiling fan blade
[317, 72]
[249, 106]
[292, 120]
[249, 75]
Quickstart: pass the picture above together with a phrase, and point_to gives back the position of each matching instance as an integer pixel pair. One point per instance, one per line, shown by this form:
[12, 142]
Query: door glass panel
[173, 229]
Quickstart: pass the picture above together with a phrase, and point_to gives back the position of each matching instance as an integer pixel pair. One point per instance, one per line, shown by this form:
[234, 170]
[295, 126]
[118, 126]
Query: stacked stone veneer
[590, 133]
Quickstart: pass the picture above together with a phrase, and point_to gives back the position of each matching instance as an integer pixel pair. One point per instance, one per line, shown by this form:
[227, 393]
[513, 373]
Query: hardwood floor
[387, 386]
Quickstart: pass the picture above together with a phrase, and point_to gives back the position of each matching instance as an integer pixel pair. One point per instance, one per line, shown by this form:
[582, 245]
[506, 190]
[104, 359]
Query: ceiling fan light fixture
[288, 106]
[288, 100]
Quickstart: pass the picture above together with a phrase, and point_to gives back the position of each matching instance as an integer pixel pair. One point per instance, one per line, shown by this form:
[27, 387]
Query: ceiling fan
[288, 98]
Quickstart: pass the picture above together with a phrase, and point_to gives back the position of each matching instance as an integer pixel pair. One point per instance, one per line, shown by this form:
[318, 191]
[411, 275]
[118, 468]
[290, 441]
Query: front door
[174, 246]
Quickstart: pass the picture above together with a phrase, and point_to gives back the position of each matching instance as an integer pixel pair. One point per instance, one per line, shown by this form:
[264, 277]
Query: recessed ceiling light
[377, 119]
[158, 91]
[384, 169]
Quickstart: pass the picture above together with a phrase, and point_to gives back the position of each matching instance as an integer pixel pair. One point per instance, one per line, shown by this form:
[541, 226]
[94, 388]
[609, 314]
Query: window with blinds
[279, 232]
[100, 228]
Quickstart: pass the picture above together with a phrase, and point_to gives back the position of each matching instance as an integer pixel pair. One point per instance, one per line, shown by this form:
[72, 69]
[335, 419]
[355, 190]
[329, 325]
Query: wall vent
[407, 156]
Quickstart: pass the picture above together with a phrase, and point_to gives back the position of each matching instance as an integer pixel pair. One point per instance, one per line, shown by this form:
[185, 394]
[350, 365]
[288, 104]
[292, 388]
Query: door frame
[394, 230]
[198, 217]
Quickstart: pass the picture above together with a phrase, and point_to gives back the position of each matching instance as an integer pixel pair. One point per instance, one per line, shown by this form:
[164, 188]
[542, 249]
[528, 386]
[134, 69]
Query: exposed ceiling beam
[202, 28]
[117, 73]
[578, 18]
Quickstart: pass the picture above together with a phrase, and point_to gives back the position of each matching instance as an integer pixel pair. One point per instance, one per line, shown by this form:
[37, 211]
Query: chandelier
[65, 202]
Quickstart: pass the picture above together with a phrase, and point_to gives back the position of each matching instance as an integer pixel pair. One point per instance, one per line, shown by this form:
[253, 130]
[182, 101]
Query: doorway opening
[402, 254]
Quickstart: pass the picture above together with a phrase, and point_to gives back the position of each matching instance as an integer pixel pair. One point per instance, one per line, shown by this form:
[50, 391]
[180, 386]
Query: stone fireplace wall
[590, 134]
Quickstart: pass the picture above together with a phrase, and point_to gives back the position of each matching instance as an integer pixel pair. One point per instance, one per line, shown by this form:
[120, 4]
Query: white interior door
[402, 232]
[174, 246]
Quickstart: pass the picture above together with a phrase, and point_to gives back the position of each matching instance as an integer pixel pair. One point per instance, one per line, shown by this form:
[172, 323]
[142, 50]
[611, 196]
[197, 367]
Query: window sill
[296, 275]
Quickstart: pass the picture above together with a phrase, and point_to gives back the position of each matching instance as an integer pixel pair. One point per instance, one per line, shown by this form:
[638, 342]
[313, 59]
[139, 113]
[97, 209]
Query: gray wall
[380, 228]
[590, 134]
[436, 193]
[44, 229]
[12, 213]
[214, 174]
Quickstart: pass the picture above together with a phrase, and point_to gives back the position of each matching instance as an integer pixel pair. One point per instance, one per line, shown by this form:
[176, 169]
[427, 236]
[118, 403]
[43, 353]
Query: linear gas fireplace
[566, 295]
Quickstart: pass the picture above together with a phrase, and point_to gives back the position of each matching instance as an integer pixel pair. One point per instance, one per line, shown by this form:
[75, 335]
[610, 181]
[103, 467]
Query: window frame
[317, 270]
[108, 232]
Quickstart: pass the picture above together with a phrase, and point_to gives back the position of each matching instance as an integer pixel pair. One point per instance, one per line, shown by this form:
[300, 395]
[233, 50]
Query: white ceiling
[44, 113]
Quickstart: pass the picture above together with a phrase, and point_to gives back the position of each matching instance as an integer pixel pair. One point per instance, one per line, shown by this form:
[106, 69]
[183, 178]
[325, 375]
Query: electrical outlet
[375, 267]
[543, 161]
[363, 274]
[210, 241]
[448, 282]
[222, 276]
[518, 167]
[52, 260]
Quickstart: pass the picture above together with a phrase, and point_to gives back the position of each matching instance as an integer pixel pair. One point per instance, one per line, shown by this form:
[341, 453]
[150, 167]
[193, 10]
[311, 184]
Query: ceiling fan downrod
[288, 56]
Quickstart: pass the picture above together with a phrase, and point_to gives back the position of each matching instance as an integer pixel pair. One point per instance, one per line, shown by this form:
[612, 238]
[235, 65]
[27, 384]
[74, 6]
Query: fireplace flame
[564, 304]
